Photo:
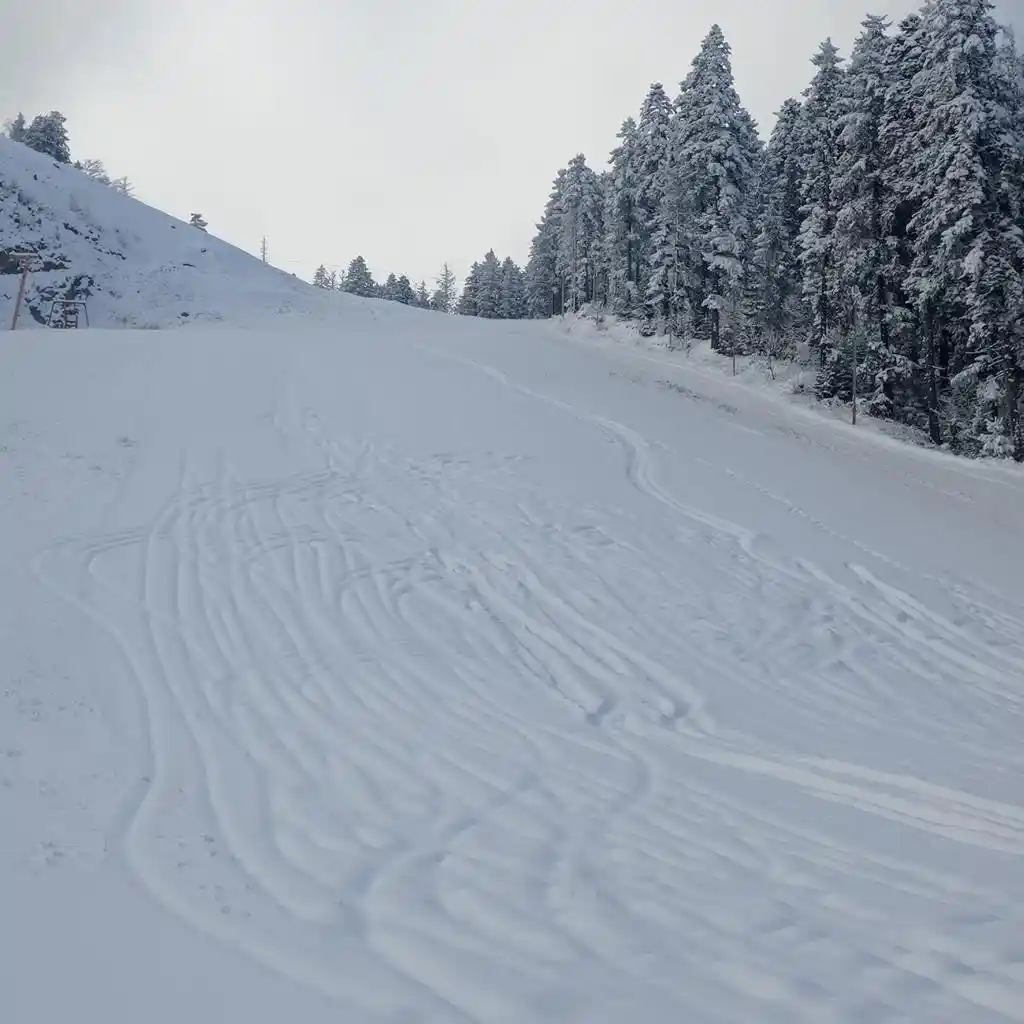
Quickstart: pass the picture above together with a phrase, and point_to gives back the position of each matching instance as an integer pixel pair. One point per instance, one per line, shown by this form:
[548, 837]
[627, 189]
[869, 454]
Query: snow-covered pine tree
[1013, 69]
[321, 278]
[860, 200]
[966, 274]
[389, 290]
[651, 153]
[601, 256]
[15, 128]
[775, 280]
[544, 287]
[48, 134]
[820, 143]
[445, 297]
[358, 279]
[404, 292]
[422, 295]
[593, 271]
[579, 232]
[512, 305]
[469, 301]
[662, 262]
[482, 293]
[620, 237]
[711, 182]
[899, 387]
[543, 294]
[489, 287]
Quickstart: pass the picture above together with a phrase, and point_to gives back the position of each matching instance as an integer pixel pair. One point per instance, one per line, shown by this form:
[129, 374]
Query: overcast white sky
[410, 131]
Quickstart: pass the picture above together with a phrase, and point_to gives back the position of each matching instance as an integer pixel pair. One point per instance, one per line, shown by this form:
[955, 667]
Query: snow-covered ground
[363, 664]
[411, 668]
[791, 381]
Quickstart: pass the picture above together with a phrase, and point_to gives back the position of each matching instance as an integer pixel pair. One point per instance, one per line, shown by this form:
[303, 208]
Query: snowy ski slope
[421, 669]
[362, 664]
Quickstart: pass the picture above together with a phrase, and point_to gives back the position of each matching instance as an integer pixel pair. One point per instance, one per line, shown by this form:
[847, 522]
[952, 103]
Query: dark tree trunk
[934, 426]
[1012, 419]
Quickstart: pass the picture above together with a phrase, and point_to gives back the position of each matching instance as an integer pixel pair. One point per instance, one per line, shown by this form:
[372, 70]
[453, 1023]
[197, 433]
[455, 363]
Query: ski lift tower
[27, 262]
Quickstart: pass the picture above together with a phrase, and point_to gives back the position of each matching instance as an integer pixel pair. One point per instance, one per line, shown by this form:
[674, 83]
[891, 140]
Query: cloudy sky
[410, 131]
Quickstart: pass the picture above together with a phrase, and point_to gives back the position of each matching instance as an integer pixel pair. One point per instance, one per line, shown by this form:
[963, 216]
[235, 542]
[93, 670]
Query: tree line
[48, 134]
[494, 289]
[878, 233]
[358, 280]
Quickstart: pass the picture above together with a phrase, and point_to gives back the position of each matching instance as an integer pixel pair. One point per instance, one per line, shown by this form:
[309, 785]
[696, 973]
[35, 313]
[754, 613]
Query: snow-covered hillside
[371, 665]
[135, 266]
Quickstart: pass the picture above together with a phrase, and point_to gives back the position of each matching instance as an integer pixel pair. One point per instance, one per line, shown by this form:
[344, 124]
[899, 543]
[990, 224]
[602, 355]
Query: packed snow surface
[419, 669]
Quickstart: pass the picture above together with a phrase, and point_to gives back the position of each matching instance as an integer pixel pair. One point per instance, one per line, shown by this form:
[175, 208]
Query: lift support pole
[26, 260]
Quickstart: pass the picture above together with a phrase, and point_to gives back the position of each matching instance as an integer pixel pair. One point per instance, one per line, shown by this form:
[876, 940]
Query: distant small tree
[358, 279]
[320, 278]
[487, 291]
[94, 169]
[512, 301]
[469, 301]
[47, 134]
[423, 296]
[404, 292]
[15, 128]
[197, 221]
[445, 296]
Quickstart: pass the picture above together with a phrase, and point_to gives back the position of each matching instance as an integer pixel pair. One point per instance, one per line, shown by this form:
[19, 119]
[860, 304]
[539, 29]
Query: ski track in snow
[445, 763]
